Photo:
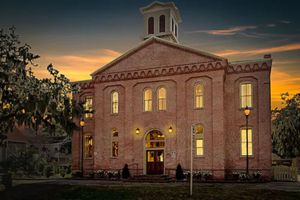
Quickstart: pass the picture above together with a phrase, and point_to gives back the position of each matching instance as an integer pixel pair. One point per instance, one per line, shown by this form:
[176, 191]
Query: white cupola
[161, 20]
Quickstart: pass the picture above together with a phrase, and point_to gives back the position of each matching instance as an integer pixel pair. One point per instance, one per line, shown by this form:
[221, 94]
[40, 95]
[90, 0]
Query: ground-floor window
[244, 142]
[88, 146]
[115, 149]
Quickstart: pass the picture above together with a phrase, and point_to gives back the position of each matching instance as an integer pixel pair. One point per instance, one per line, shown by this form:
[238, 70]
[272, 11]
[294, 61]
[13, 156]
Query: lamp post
[191, 166]
[247, 113]
[82, 123]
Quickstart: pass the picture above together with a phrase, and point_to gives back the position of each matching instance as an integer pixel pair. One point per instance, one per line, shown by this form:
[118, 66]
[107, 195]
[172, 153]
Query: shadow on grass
[68, 192]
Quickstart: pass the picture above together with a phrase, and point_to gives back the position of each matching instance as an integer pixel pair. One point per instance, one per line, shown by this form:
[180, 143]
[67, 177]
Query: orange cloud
[283, 48]
[228, 31]
[77, 66]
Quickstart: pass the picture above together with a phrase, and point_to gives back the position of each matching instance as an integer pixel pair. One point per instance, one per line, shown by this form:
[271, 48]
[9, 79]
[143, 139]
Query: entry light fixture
[137, 131]
[170, 129]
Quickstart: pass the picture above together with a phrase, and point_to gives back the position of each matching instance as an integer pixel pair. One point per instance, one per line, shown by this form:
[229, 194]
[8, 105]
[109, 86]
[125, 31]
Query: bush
[48, 171]
[179, 173]
[125, 172]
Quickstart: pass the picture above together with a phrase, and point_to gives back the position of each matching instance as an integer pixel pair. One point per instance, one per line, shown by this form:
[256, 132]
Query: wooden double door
[155, 161]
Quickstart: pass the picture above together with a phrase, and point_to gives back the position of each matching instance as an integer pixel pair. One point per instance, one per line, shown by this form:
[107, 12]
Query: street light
[82, 124]
[247, 113]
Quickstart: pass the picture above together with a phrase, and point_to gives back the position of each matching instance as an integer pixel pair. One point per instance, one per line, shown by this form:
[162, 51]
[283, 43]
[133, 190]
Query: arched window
[176, 30]
[88, 107]
[151, 25]
[155, 139]
[246, 95]
[115, 143]
[199, 139]
[148, 100]
[162, 22]
[114, 102]
[162, 98]
[198, 95]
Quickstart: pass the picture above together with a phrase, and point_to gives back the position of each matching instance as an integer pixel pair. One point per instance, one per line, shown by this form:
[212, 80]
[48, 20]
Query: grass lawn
[136, 191]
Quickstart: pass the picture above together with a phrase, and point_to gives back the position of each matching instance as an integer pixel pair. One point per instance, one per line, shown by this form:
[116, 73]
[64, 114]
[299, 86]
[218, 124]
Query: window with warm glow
[155, 139]
[88, 107]
[115, 102]
[199, 140]
[148, 100]
[198, 95]
[246, 95]
[88, 146]
[162, 99]
[115, 143]
[244, 142]
[115, 149]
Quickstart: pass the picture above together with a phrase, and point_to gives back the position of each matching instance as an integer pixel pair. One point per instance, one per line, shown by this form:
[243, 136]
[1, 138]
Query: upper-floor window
[198, 95]
[244, 142]
[115, 102]
[151, 25]
[199, 140]
[162, 98]
[172, 25]
[147, 100]
[175, 30]
[88, 107]
[162, 22]
[88, 146]
[246, 95]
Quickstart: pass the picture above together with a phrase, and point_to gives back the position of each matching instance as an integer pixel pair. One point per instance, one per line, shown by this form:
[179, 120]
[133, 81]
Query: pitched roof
[157, 40]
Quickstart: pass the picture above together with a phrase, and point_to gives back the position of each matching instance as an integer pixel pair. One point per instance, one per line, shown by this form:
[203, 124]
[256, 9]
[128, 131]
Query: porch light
[170, 129]
[137, 131]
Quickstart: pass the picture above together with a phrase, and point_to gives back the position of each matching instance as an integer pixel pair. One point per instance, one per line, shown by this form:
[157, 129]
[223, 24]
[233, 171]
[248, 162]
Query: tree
[286, 127]
[27, 100]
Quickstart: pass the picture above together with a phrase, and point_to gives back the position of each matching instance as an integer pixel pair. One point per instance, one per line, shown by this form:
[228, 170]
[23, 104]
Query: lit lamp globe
[247, 111]
[82, 123]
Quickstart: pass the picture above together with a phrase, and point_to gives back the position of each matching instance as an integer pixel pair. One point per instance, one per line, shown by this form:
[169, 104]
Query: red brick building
[148, 101]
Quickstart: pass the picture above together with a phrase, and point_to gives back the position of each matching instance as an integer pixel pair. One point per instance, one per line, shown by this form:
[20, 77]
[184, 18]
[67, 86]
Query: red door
[155, 161]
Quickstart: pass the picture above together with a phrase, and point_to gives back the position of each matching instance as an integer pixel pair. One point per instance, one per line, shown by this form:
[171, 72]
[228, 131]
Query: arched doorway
[154, 146]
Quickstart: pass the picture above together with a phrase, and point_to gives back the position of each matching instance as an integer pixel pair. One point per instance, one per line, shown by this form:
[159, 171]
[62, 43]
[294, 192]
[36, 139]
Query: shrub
[125, 172]
[48, 171]
[179, 173]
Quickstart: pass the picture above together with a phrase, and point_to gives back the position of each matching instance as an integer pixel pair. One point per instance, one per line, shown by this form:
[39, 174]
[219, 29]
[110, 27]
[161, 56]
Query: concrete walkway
[283, 186]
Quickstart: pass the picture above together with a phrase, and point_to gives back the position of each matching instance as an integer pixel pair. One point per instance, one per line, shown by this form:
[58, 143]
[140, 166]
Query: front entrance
[155, 161]
[154, 149]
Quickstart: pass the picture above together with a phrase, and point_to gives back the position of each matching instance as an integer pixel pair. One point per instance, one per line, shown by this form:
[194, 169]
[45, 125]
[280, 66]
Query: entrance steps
[151, 179]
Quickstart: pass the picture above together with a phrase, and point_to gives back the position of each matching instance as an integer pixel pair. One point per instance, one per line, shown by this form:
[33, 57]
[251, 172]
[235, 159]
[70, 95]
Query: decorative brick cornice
[160, 71]
[231, 68]
[250, 66]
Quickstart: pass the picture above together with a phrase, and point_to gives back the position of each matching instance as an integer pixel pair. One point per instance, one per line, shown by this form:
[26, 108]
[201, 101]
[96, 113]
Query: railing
[284, 173]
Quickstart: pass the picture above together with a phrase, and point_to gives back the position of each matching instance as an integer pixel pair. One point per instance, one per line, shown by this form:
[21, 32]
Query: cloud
[76, 66]
[271, 25]
[285, 21]
[226, 32]
[282, 48]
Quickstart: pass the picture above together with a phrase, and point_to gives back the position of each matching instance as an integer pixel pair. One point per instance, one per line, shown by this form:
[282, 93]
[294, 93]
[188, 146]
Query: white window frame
[114, 110]
[244, 143]
[164, 100]
[242, 96]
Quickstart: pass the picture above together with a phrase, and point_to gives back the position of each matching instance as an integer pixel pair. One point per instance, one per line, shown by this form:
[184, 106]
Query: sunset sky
[80, 36]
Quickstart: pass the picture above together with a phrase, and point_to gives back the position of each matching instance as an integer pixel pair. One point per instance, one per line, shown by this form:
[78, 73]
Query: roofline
[149, 40]
[250, 61]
